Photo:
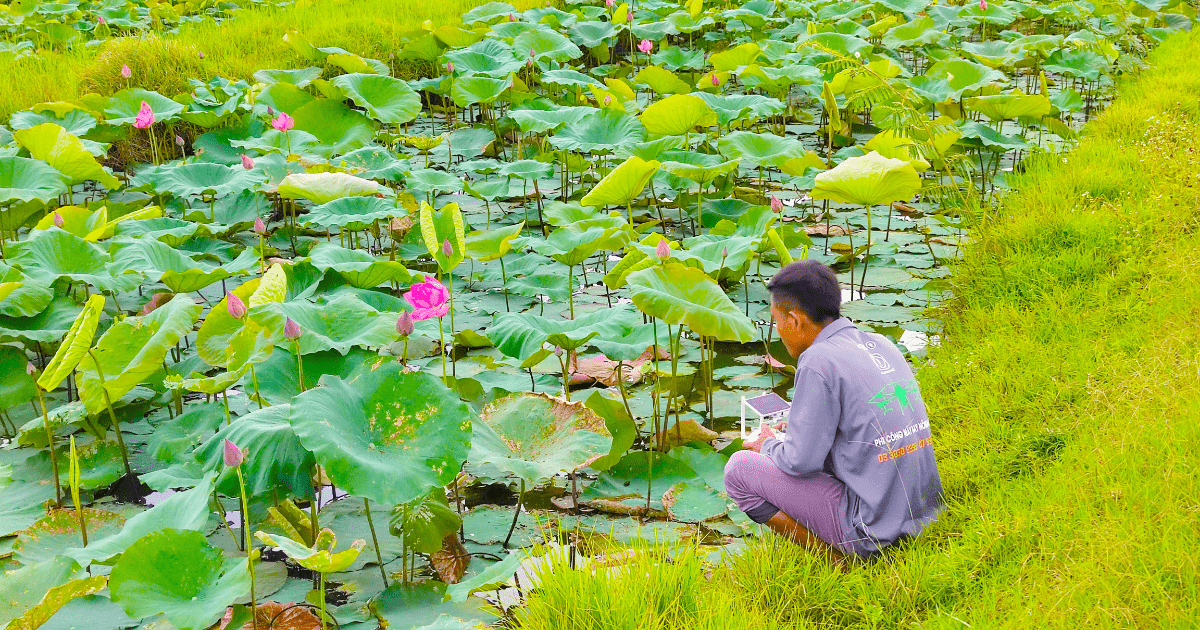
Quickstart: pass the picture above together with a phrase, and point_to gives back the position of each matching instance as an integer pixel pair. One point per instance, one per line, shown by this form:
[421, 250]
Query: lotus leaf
[358, 267]
[123, 107]
[676, 294]
[177, 573]
[58, 148]
[603, 130]
[322, 188]
[353, 212]
[869, 180]
[386, 99]
[25, 179]
[384, 433]
[425, 522]
[74, 346]
[623, 184]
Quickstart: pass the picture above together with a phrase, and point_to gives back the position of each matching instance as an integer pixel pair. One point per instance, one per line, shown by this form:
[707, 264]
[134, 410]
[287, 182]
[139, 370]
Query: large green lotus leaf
[26, 179]
[425, 522]
[964, 76]
[741, 107]
[22, 296]
[133, 349]
[978, 135]
[99, 460]
[179, 574]
[545, 42]
[676, 294]
[1084, 64]
[469, 90]
[55, 599]
[335, 125]
[279, 378]
[535, 437]
[918, 32]
[619, 424]
[23, 589]
[623, 184]
[340, 324]
[198, 178]
[734, 58]
[52, 254]
[539, 121]
[277, 464]
[47, 326]
[299, 78]
[74, 345]
[677, 115]
[575, 243]
[123, 107]
[387, 99]
[353, 212]
[322, 188]
[569, 78]
[358, 267]
[635, 476]
[76, 121]
[219, 327]
[1009, 106]
[428, 181]
[57, 147]
[760, 149]
[841, 43]
[662, 81]
[492, 244]
[16, 385]
[183, 510]
[699, 167]
[868, 180]
[489, 57]
[373, 162]
[384, 433]
[180, 273]
[59, 530]
[442, 226]
[603, 130]
[692, 502]
[523, 335]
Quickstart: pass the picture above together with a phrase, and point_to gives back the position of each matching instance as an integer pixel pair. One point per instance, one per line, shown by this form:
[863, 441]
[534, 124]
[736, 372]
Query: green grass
[235, 48]
[1066, 400]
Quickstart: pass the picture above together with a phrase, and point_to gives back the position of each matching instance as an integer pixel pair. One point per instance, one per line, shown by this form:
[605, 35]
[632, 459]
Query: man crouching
[855, 470]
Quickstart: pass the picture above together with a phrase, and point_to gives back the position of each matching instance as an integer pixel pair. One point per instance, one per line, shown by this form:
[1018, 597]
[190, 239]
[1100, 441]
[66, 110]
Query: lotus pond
[390, 335]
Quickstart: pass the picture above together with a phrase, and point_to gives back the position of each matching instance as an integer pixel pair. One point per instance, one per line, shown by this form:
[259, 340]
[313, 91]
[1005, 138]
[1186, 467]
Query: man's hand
[764, 432]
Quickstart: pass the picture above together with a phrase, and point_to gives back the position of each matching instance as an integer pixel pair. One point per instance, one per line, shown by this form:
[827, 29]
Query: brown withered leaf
[820, 229]
[450, 562]
[631, 505]
[277, 616]
[158, 300]
[685, 431]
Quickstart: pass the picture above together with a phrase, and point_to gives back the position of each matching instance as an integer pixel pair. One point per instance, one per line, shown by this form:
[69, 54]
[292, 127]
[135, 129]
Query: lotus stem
[299, 365]
[375, 541]
[453, 363]
[112, 415]
[571, 288]
[225, 402]
[73, 477]
[862, 282]
[504, 276]
[563, 361]
[254, 381]
[517, 513]
[442, 346]
[50, 445]
[248, 545]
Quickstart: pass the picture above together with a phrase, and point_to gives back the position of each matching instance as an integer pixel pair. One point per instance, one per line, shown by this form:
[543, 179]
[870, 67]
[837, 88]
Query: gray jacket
[857, 414]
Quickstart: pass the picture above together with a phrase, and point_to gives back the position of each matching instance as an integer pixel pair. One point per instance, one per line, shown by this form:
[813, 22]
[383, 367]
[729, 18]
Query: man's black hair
[810, 286]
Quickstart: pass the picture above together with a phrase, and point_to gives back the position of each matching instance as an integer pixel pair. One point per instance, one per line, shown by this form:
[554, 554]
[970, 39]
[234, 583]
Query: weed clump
[156, 63]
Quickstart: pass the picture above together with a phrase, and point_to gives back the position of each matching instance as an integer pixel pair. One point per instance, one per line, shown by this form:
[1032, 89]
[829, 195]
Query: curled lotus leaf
[320, 557]
[321, 188]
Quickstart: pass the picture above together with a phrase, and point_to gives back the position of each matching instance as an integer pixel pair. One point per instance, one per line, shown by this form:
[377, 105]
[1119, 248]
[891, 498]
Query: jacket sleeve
[812, 424]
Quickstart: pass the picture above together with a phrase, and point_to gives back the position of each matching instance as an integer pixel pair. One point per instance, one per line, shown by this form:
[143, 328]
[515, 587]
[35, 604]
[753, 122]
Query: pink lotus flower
[663, 250]
[291, 330]
[233, 455]
[404, 324]
[447, 249]
[235, 306]
[645, 46]
[58, 220]
[125, 71]
[776, 205]
[247, 163]
[283, 122]
[983, 5]
[260, 228]
[145, 117]
[429, 299]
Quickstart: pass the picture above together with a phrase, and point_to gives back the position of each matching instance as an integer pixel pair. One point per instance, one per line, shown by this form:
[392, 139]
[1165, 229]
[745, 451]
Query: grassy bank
[1066, 401]
[235, 48]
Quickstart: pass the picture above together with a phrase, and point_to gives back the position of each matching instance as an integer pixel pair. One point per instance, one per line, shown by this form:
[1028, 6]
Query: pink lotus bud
[529, 63]
[30, 369]
[715, 81]
[607, 100]
[609, 3]
[235, 306]
[532, 53]
[558, 352]
[178, 141]
[260, 228]
[450, 67]
[663, 250]
[58, 220]
[511, 18]
[447, 249]
[247, 163]
[291, 330]
[629, 15]
[233, 455]
[283, 122]
[983, 5]
[404, 324]
[201, 54]
[125, 71]
[270, 111]
[101, 20]
[776, 205]
[724, 252]
[145, 116]
[645, 46]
